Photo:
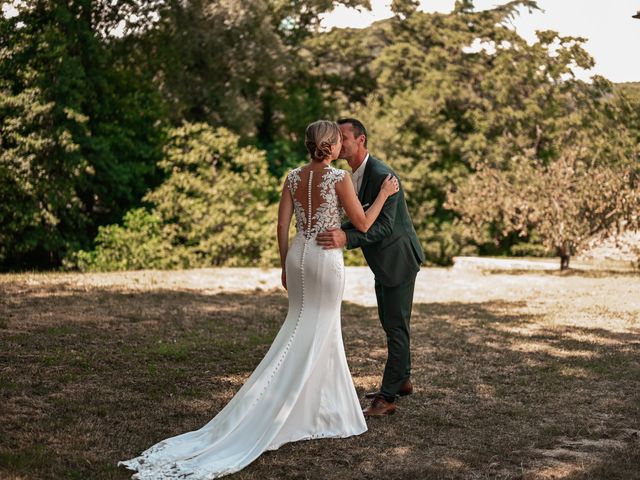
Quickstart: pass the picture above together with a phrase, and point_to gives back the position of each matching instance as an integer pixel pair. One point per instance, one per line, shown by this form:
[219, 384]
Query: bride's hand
[390, 185]
[283, 278]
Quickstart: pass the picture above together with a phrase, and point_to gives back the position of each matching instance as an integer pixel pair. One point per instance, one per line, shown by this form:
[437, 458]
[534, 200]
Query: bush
[529, 250]
[215, 208]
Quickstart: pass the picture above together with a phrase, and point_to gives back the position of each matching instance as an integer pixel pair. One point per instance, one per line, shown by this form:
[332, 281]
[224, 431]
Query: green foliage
[629, 89]
[36, 200]
[529, 250]
[482, 128]
[80, 131]
[134, 245]
[243, 65]
[459, 92]
[215, 208]
[576, 179]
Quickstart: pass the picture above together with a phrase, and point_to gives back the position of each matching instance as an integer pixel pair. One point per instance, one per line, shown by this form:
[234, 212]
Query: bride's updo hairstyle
[319, 137]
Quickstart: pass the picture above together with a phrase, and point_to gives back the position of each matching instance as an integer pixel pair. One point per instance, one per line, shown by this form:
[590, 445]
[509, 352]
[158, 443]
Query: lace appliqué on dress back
[328, 213]
[298, 210]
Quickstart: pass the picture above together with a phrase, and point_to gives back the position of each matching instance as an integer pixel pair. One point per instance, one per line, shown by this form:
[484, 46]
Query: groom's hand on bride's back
[333, 238]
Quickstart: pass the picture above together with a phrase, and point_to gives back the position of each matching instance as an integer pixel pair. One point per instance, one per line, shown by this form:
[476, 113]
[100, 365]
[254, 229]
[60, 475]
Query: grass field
[541, 384]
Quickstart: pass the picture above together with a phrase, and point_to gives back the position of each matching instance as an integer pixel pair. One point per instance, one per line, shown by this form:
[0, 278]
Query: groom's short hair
[358, 128]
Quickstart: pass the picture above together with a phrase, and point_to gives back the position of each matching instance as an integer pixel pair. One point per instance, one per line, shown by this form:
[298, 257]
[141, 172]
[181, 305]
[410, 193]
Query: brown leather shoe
[379, 407]
[405, 389]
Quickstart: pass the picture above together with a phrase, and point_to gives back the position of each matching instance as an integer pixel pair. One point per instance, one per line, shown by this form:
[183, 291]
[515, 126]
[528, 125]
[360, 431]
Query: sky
[613, 35]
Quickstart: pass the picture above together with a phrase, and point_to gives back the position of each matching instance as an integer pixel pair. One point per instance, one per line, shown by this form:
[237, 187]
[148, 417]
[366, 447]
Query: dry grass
[505, 389]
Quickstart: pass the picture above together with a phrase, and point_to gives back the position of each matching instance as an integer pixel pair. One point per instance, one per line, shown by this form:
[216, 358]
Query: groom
[394, 254]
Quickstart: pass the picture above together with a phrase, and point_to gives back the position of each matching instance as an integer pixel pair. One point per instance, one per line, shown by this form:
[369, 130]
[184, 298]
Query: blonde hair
[319, 137]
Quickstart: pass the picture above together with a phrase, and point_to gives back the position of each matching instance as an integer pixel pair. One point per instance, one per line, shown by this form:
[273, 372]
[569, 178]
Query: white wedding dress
[302, 388]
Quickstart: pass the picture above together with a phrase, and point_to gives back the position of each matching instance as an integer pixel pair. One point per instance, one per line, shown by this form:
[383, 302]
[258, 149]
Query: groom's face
[350, 143]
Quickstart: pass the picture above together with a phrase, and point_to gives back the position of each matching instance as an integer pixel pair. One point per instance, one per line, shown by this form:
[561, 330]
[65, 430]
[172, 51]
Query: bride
[302, 389]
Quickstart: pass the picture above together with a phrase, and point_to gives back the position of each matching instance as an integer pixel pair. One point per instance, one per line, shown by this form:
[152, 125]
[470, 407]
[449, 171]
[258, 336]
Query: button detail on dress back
[308, 232]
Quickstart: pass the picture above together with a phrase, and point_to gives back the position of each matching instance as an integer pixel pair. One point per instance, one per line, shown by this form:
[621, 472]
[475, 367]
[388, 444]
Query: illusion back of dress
[316, 204]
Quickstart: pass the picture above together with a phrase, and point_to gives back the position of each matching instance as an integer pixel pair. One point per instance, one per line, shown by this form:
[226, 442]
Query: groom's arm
[348, 236]
[347, 225]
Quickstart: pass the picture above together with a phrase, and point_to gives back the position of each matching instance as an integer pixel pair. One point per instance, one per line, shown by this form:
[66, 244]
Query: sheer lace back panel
[315, 201]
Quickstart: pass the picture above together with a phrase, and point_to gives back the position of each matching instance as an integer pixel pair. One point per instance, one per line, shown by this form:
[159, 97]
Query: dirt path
[578, 294]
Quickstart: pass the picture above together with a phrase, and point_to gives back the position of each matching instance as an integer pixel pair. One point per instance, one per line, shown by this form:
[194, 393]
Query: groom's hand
[334, 238]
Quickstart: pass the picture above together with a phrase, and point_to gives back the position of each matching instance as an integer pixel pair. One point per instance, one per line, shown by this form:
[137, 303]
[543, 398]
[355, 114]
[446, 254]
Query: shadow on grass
[90, 377]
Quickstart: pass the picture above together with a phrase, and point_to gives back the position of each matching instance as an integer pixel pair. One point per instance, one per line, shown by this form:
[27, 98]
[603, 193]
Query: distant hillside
[630, 89]
[631, 85]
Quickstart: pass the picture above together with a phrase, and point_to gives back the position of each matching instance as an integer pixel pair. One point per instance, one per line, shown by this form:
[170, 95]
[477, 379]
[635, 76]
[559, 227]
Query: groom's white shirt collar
[357, 175]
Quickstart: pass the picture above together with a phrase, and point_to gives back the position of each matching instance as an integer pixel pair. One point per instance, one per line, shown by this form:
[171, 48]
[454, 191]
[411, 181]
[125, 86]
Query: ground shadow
[92, 376]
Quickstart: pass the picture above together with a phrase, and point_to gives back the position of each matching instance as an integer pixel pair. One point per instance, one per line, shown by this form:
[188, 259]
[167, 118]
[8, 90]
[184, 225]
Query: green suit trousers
[394, 310]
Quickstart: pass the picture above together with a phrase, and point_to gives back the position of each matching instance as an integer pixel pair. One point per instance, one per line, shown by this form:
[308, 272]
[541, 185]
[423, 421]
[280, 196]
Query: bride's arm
[285, 212]
[359, 218]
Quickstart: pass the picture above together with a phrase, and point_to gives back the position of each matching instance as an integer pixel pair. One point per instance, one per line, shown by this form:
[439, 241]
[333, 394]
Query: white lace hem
[149, 470]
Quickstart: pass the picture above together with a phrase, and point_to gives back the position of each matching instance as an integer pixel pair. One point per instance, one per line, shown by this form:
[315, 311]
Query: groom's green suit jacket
[391, 246]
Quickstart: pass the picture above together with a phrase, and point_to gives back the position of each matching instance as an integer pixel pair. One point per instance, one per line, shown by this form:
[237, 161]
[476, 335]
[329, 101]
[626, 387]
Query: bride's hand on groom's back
[333, 238]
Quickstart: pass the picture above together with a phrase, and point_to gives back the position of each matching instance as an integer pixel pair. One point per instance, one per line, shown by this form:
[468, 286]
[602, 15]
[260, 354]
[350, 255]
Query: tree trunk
[565, 254]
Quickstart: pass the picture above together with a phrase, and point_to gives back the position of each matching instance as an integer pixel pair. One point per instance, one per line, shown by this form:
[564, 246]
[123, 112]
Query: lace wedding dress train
[302, 388]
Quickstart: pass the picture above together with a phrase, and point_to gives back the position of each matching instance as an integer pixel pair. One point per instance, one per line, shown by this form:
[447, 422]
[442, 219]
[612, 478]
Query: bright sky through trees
[611, 31]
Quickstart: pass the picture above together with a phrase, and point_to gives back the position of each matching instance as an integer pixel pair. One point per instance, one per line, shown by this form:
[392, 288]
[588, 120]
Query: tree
[80, 130]
[566, 201]
[463, 92]
[215, 208]
[584, 183]
[449, 88]
[90, 86]
[246, 66]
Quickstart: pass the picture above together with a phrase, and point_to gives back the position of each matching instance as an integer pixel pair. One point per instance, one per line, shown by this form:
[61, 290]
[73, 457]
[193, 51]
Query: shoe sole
[371, 395]
[381, 415]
